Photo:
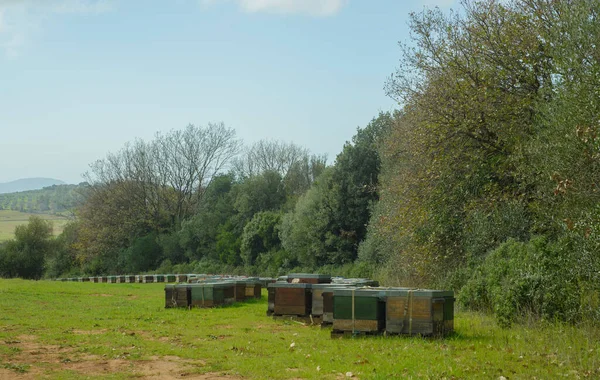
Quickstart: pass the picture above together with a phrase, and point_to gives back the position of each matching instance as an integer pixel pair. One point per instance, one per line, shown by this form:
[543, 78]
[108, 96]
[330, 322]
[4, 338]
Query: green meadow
[10, 219]
[65, 330]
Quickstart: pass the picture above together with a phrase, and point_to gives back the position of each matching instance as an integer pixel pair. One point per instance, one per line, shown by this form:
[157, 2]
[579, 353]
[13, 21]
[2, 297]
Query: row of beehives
[152, 278]
[352, 307]
[212, 293]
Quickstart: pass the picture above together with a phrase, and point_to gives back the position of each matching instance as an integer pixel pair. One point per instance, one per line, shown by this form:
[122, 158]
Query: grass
[80, 327]
[10, 219]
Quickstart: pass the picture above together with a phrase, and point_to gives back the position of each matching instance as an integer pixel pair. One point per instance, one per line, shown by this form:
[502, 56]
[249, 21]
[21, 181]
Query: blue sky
[80, 78]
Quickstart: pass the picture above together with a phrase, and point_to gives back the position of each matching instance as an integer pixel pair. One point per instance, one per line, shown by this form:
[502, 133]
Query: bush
[519, 279]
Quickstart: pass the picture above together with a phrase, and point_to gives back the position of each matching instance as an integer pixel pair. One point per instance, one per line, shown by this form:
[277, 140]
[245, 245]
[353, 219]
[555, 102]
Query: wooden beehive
[139, 278]
[253, 289]
[112, 279]
[239, 290]
[317, 306]
[159, 278]
[212, 294]
[94, 279]
[148, 278]
[177, 295]
[270, 299]
[121, 279]
[419, 311]
[358, 310]
[291, 299]
[327, 306]
[103, 279]
[181, 277]
[308, 278]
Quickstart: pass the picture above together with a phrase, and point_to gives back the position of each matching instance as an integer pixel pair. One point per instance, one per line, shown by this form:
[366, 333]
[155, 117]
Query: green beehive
[212, 294]
[317, 296]
[112, 279]
[159, 278]
[358, 310]
[170, 278]
[419, 311]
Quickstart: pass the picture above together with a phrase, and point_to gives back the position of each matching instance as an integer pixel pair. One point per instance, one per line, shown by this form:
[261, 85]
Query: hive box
[291, 299]
[317, 307]
[253, 288]
[308, 278]
[419, 311]
[170, 278]
[212, 294]
[358, 310]
[177, 295]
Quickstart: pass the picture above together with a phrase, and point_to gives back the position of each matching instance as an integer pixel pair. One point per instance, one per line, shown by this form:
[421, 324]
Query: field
[120, 331]
[10, 219]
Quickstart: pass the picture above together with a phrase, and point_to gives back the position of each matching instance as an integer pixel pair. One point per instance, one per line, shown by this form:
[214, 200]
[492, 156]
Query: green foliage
[144, 254]
[51, 200]
[519, 279]
[261, 235]
[25, 255]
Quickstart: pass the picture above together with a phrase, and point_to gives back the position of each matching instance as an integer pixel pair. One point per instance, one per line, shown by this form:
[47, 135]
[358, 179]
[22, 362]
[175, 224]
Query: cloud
[20, 20]
[310, 7]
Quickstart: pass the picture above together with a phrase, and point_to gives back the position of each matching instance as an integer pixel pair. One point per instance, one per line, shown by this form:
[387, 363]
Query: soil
[35, 360]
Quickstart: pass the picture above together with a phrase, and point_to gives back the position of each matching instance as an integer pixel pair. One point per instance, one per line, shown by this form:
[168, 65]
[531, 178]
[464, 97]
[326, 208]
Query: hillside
[26, 184]
[52, 199]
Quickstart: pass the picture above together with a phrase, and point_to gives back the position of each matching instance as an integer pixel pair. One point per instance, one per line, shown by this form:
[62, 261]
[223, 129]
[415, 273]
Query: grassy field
[10, 219]
[121, 331]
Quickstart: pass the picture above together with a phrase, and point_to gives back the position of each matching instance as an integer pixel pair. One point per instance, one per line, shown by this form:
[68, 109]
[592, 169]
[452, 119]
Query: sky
[80, 78]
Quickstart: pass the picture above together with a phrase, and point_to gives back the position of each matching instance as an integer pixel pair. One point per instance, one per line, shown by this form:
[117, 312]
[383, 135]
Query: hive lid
[357, 292]
[288, 285]
[330, 286]
[309, 275]
[404, 292]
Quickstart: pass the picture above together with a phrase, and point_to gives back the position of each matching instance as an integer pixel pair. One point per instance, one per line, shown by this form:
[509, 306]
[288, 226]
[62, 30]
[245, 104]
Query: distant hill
[27, 184]
[54, 199]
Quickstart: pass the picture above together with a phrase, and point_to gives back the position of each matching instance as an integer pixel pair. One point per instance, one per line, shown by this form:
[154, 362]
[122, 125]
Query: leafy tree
[25, 255]
[260, 236]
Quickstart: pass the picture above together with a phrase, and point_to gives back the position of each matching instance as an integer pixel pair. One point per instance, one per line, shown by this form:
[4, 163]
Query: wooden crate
[308, 278]
[292, 299]
[358, 310]
[419, 312]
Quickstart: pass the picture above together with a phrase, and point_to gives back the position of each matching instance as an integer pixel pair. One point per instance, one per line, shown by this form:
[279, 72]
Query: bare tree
[269, 155]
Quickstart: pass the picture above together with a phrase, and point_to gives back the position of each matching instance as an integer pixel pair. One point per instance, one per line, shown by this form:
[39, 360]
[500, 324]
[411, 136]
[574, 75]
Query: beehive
[318, 290]
[170, 278]
[419, 311]
[94, 279]
[85, 279]
[121, 279]
[177, 295]
[358, 310]
[148, 278]
[239, 290]
[253, 289]
[130, 278]
[112, 279]
[103, 279]
[212, 294]
[139, 279]
[270, 299]
[308, 278]
[291, 299]
[181, 277]
[159, 278]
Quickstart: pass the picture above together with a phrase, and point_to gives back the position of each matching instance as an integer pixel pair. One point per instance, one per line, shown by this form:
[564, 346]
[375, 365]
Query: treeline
[485, 181]
[54, 199]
